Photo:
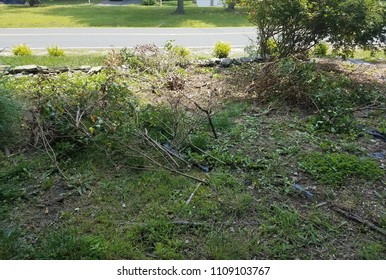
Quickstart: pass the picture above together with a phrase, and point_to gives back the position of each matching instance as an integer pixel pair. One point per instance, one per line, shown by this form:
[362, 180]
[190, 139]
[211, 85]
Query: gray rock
[19, 75]
[213, 61]
[225, 62]
[83, 68]
[95, 69]
[246, 59]
[4, 67]
[201, 63]
[25, 69]
[236, 61]
[58, 69]
[43, 68]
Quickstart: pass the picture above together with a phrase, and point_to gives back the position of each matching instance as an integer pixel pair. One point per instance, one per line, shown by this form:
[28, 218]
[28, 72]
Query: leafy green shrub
[297, 24]
[307, 86]
[55, 51]
[321, 49]
[181, 51]
[272, 47]
[22, 50]
[337, 168]
[79, 109]
[334, 120]
[149, 2]
[176, 50]
[222, 49]
[9, 116]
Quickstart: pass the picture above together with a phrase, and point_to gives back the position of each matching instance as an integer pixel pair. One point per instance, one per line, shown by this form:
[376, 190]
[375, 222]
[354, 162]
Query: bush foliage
[22, 50]
[55, 51]
[297, 25]
[149, 2]
[222, 49]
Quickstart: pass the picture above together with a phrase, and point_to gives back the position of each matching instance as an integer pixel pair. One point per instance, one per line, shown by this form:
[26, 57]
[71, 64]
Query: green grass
[112, 205]
[379, 56]
[338, 168]
[70, 60]
[116, 16]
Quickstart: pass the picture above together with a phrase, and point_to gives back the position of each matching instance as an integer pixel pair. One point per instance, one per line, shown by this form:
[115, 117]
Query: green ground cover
[70, 60]
[85, 175]
[92, 15]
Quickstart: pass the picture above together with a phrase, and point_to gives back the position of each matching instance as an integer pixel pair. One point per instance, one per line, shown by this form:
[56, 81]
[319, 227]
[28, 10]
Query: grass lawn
[68, 60]
[92, 15]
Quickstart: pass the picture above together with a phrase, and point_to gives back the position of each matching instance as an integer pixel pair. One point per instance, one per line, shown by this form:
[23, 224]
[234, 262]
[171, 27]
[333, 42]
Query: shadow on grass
[132, 16]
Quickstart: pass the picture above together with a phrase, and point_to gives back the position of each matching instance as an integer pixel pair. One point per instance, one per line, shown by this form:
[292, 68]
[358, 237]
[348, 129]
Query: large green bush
[297, 25]
[9, 116]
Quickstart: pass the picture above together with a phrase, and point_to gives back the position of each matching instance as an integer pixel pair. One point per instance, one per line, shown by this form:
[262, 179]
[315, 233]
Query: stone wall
[27, 70]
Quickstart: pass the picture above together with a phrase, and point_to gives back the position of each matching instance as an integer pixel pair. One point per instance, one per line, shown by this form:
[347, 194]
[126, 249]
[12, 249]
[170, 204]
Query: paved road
[93, 38]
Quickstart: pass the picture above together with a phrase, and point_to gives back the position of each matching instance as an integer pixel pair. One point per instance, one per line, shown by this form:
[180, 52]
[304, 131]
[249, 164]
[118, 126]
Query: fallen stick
[193, 193]
[358, 219]
[190, 223]
[139, 152]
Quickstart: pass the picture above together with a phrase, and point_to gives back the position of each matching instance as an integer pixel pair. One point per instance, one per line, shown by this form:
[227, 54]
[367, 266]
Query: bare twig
[156, 145]
[50, 152]
[209, 115]
[358, 219]
[173, 170]
[195, 224]
[207, 154]
[193, 193]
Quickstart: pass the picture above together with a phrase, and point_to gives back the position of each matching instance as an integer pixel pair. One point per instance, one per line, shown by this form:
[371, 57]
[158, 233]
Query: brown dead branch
[356, 218]
[50, 151]
[159, 164]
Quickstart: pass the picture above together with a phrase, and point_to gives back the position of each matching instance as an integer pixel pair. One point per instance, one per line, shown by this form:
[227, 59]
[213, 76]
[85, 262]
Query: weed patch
[159, 159]
[337, 169]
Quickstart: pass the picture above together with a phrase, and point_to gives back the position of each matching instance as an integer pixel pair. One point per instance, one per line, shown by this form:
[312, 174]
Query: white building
[209, 3]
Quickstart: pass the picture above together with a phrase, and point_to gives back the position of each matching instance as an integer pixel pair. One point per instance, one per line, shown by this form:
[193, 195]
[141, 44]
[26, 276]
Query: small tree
[295, 26]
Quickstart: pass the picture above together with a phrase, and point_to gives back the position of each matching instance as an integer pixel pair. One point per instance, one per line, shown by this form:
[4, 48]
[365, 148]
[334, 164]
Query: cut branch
[193, 193]
[358, 219]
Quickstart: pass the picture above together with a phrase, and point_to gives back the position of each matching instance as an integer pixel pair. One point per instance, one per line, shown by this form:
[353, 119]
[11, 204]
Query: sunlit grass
[91, 15]
[70, 60]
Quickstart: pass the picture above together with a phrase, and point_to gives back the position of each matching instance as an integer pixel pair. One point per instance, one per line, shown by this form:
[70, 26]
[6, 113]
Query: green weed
[55, 51]
[222, 49]
[8, 245]
[320, 49]
[22, 50]
[10, 113]
[337, 168]
[157, 237]
[372, 251]
[70, 60]
[69, 244]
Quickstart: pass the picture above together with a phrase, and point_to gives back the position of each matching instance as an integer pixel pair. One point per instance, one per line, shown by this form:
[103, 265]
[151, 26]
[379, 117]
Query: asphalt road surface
[101, 38]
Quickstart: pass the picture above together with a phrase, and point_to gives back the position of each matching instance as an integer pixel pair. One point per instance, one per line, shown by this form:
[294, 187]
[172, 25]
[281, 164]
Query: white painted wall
[207, 3]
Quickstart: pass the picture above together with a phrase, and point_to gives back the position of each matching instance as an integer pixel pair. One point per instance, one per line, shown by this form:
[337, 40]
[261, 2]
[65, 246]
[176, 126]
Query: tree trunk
[180, 7]
[231, 7]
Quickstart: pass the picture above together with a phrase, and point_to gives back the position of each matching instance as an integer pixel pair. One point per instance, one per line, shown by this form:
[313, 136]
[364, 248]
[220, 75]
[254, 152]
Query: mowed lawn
[92, 15]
